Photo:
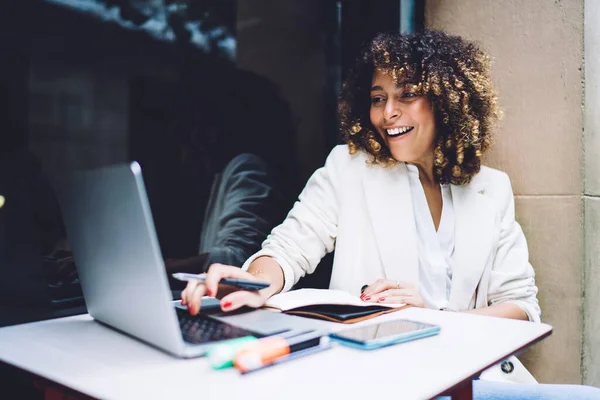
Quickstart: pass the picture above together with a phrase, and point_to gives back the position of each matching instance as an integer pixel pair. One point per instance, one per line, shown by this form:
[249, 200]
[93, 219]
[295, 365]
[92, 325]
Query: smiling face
[404, 119]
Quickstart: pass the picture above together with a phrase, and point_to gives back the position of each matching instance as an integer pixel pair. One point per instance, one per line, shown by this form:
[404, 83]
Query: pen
[240, 283]
[182, 276]
[265, 351]
[326, 345]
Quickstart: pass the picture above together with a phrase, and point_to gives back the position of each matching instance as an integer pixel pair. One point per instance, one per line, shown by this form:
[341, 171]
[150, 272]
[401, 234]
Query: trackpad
[268, 322]
[260, 321]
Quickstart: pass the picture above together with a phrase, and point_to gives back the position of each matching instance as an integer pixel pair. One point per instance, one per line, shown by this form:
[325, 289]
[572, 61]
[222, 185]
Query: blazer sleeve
[309, 231]
[248, 211]
[512, 277]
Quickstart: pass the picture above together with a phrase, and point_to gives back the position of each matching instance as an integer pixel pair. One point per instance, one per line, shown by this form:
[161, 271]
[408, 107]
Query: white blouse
[359, 210]
[435, 249]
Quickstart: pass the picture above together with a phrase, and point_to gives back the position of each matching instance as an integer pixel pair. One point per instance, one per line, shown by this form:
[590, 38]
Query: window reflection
[227, 107]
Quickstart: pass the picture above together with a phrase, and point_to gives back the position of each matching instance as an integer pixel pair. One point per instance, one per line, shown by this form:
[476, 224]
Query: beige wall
[537, 46]
[591, 129]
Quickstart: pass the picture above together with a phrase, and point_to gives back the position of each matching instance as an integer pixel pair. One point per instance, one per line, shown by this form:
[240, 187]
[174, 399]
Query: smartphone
[385, 334]
[238, 283]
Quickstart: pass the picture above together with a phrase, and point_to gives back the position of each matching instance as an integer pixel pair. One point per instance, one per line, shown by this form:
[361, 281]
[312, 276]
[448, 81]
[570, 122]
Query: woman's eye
[408, 95]
[376, 100]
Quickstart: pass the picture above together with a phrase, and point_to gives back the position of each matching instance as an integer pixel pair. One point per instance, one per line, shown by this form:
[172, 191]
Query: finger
[395, 293]
[385, 284]
[369, 299]
[216, 272]
[183, 294]
[387, 297]
[188, 291]
[196, 298]
[241, 298]
[373, 288]
[403, 285]
[410, 300]
[213, 276]
[393, 299]
[377, 287]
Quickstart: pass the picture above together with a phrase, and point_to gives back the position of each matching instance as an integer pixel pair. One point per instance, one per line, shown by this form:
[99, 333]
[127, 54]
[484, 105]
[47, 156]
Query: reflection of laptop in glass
[123, 277]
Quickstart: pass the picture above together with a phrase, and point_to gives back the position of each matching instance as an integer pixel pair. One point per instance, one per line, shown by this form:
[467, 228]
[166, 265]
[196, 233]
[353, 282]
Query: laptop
[123, 277]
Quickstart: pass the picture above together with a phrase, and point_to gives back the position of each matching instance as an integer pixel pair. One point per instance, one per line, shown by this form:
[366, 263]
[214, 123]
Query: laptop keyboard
[200, 329]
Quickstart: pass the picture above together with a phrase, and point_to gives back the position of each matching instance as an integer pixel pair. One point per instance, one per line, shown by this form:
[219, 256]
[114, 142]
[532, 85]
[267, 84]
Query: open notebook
[331, 305]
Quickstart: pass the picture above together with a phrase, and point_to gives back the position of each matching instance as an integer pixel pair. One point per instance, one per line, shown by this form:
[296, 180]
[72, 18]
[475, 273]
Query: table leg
[463, 392]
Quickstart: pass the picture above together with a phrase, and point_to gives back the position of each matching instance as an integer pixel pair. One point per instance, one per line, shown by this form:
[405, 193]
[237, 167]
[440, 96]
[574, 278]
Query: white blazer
[365, 212]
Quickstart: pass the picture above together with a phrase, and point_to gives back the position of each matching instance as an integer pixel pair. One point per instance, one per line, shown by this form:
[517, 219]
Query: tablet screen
[386, 329]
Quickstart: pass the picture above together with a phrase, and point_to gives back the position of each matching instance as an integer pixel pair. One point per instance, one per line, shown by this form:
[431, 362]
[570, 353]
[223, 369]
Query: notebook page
[309, 297]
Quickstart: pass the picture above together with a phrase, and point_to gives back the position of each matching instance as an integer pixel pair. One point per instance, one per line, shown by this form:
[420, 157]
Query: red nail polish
[209, 292]
[367, 298]
[227, 304]
[381, 299]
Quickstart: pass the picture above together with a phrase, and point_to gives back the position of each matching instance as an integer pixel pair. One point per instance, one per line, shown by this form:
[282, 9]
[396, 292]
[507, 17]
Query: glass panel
[185, 88]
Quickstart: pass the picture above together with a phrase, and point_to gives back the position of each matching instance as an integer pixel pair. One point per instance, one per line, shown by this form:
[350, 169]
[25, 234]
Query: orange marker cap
[260, 353]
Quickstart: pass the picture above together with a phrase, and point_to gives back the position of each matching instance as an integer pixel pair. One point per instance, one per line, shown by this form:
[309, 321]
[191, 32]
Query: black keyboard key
[204, 329]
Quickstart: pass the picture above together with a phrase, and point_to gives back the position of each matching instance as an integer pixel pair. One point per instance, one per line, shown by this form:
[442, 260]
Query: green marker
[221, 355]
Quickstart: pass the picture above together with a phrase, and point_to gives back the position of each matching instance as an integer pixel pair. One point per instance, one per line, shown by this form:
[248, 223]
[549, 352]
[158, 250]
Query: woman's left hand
[397, 292]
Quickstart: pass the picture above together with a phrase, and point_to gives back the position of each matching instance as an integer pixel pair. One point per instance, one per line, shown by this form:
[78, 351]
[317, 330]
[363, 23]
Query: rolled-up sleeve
[512, 277]
[309, 231]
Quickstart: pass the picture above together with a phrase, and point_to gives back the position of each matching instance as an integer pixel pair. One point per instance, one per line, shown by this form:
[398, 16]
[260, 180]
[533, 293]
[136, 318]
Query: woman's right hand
[231, 298]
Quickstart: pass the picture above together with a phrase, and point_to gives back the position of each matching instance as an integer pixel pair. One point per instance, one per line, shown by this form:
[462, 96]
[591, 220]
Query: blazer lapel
[473, 235]
[389, 203]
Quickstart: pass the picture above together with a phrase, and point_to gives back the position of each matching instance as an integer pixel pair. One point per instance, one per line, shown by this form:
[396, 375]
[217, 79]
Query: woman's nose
[392, 110]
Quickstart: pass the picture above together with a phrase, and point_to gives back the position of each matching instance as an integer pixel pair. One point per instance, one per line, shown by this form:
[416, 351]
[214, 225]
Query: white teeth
[397, 131]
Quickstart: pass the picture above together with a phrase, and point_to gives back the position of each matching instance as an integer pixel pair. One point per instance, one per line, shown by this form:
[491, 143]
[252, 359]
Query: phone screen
[390, 329]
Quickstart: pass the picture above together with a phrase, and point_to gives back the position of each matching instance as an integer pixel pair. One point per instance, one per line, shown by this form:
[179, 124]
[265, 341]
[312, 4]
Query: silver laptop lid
[111, 232]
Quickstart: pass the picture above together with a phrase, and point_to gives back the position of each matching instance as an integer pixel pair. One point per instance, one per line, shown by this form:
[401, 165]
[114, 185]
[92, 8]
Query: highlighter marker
[221, 355]
[266, 351]
[325, 345]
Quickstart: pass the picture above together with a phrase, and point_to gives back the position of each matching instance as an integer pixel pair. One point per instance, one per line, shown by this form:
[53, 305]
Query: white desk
[90, 358]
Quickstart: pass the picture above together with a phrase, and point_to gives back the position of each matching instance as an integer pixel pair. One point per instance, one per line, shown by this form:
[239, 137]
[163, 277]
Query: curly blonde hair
[452, 72]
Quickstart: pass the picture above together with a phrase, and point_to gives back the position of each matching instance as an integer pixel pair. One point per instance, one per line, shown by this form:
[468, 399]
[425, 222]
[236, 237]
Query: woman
[405, 203]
